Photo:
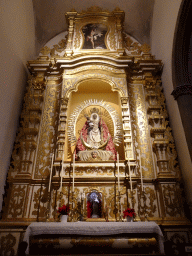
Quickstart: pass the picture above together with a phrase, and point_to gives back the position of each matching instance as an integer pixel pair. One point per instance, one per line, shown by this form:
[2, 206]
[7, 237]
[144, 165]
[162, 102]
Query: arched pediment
[104, 74]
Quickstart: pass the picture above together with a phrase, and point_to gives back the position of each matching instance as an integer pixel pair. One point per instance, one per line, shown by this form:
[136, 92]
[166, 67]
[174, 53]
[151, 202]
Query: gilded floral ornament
[57, 48]
[7, 244]
[133, 47]
[45, 50]
[145, 48]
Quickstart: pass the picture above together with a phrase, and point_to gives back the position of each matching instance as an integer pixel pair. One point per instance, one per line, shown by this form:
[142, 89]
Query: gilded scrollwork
[40, 202]
[172, 199]
[16, 203]
[162, 138]
[47, 132]
[173, 162]
[112, 38]
[101, 68]
[148, 202]
[135, 48]
[57, 48]
[8, 243]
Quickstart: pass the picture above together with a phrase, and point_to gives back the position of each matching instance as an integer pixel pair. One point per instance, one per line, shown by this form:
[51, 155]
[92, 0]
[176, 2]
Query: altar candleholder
[132, 199]
[60, 197]
[48, 207]
[119, 207]
[144, 202]
[72, 207]
[115, 211]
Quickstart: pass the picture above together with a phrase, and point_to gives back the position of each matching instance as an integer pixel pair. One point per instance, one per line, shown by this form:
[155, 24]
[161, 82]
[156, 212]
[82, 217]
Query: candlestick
[73, 170]
[141, 172]
[118, 171]
[62, 163]
[130, 175]
[51, 174]
[61, 179]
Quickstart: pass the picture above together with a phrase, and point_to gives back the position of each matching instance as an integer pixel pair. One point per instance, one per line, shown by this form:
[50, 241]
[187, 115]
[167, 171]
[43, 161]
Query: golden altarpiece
[94, 123]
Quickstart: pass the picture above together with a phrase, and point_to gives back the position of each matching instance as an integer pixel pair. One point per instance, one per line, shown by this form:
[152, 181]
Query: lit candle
[141, 172]
[51, 173]
[130, 174]
[118, 171]
[73, 170]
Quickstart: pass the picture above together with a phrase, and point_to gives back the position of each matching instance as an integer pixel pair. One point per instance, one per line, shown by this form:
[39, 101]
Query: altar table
[94, 229]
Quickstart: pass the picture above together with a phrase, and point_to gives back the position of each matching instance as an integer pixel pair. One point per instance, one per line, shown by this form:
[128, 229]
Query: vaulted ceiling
[50, 16]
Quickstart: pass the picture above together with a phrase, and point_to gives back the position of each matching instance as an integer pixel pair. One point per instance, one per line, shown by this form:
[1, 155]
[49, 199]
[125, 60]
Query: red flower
[129, 213]
[63, 210]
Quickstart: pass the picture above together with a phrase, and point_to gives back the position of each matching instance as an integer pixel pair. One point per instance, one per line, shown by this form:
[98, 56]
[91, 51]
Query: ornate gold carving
[145, 48]
[96, 15]
[163, 142]
[112, 38]
[45, 50]
[94, 241]
[57, 48]
[76, 71]
[47, 133]
[171, 150]
[140, 129]
[117, 82]
[16, 203]
[172, 199]
[40, 202]
[147, 202]
[74, 117]
[7, 245]
[135, 48]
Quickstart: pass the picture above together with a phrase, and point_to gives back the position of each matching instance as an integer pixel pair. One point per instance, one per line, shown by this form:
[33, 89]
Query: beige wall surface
[163, 28]
[17, 47]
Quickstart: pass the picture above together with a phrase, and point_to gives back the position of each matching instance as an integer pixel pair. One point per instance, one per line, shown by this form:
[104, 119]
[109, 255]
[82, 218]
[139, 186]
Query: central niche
[94, 90]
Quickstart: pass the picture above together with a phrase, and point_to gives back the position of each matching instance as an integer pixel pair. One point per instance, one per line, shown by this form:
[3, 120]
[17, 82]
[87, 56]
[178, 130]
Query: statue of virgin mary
[95, 142]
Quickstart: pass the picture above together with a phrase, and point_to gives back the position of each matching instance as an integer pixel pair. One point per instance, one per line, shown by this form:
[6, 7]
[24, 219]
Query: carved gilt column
[31, 117]
[70, 16]
[156, 117]
[127, 132]
[60, 145]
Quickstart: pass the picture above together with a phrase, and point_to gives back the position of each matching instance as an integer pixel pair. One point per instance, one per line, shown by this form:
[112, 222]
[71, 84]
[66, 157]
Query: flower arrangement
[64, 210]
[129, 213]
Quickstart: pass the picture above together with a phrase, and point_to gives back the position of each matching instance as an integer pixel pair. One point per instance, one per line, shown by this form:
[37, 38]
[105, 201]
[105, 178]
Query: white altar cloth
[94, 229]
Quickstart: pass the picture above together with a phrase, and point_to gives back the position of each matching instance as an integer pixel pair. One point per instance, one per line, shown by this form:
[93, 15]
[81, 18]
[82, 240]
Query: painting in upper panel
[94, 36]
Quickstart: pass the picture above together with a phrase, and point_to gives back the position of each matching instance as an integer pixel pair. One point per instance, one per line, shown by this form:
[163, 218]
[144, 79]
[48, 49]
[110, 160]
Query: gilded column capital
[149, 82]
[41, 65]
[124, 100]
[148, 64]
[64, 101]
